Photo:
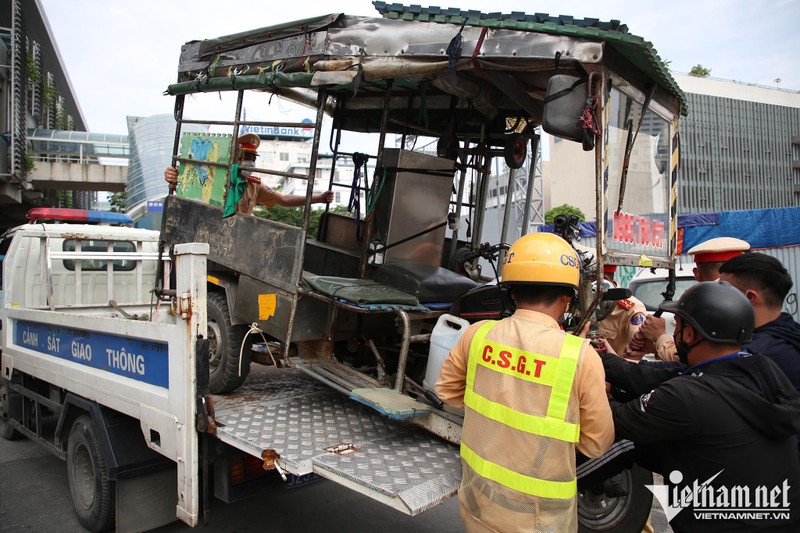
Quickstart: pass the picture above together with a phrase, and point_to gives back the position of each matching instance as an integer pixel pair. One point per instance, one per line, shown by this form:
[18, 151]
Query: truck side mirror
[563, 106]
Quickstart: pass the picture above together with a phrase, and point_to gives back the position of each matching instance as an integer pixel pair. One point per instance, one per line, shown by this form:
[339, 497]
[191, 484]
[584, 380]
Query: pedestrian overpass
[67, 161]
[78, 160]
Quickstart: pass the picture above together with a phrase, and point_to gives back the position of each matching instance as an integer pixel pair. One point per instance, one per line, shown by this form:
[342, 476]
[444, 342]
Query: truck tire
[6, 431]
[92, 490]
[627, 513]
[224, 344]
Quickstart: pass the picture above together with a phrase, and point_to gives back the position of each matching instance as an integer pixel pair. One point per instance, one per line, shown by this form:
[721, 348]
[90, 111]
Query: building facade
[151, 142]
[36, 93]
[740, 146]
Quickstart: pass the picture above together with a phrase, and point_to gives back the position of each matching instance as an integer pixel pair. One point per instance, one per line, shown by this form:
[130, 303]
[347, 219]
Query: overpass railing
[77, 146]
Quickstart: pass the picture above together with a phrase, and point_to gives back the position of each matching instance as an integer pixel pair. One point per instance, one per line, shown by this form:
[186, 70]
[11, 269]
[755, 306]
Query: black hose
[669, 293]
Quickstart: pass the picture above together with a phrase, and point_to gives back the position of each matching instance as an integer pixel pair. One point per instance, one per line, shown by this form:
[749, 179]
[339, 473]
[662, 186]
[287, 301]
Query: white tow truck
[116, 382]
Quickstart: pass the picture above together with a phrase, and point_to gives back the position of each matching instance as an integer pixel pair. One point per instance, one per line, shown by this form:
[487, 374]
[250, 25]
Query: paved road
[659, 520]
[34, 497]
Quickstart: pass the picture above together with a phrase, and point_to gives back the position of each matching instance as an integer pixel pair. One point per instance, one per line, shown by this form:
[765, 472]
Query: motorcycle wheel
[624, 513]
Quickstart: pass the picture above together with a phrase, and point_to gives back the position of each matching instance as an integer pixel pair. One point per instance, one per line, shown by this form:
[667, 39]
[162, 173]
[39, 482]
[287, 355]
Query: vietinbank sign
[709, 502]
[280, 131]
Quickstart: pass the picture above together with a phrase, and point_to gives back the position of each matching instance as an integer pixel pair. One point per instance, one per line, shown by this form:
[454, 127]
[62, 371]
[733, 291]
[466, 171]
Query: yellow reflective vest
[548, 434]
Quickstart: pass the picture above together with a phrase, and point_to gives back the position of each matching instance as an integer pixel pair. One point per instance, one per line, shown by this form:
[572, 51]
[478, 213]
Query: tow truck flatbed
[313, 429]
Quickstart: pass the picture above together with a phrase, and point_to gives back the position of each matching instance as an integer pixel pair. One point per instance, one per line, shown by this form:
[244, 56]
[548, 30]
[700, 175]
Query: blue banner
[142, 360]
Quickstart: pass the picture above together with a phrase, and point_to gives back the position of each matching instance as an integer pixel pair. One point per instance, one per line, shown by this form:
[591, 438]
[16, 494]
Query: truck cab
[76, 284]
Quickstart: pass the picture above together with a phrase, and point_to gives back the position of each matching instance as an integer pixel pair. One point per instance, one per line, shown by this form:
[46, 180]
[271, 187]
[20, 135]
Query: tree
[294, 216]
[700, 70]
[117, 201]
[563, 209]
[62, 199]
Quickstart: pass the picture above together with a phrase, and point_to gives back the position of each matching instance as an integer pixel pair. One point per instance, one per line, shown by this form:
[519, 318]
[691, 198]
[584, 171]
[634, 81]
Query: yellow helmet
[544, 259]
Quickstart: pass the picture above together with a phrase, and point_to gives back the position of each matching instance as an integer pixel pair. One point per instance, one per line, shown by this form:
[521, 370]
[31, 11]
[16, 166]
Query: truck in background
[95, 373]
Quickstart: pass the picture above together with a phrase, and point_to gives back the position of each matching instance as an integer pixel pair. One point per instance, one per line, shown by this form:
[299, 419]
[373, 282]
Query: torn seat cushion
[426, 282]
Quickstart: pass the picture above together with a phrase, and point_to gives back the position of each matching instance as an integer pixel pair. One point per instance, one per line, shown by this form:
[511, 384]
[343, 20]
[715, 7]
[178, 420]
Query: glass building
[151, 142]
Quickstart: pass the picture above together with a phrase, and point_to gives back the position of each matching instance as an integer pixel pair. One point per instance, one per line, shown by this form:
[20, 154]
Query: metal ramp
[363, 389]
[312, 428]
[445, 423]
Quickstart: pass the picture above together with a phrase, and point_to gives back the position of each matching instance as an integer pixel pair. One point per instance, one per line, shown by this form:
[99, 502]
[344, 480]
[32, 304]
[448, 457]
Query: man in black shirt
[725, 426]
[765, 283]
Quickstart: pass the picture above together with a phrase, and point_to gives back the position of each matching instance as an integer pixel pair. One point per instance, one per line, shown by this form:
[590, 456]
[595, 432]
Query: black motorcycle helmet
[717, 311]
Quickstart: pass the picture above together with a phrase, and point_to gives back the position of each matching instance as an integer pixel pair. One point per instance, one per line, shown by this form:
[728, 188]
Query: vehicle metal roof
[635, 49]
[406, 44]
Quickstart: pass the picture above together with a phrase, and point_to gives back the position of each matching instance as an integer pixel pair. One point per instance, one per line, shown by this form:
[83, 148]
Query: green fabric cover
[359, 291]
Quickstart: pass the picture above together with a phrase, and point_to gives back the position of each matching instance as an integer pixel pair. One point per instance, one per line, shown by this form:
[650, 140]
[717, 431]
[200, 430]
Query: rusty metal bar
[403, 360]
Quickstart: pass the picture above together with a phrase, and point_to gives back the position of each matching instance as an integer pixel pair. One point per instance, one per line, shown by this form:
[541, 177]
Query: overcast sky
[122, 54]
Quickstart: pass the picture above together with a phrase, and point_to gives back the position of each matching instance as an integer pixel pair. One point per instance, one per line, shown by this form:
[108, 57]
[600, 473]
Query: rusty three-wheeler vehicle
[437, 101]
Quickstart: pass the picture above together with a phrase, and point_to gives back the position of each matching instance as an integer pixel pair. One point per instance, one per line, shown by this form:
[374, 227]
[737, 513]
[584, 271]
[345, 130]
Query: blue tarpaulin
[762, 228]
[698, 219]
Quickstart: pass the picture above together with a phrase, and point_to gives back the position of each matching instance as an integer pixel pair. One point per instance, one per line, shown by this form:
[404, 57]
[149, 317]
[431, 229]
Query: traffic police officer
[622, 319]
[711, 254]
[255, 192]
[531, 394]
[708, 257]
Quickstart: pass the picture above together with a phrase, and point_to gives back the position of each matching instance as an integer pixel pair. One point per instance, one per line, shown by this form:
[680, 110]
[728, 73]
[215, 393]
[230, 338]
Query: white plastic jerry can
[446, 333]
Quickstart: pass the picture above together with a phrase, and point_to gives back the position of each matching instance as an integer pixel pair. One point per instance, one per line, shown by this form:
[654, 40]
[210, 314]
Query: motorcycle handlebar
[486, 251]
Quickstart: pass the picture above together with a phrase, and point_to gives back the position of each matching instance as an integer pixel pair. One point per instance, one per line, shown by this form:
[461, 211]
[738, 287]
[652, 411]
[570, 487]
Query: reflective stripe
[537, 425]
[565, 375]
[477, 340]
[542, 488]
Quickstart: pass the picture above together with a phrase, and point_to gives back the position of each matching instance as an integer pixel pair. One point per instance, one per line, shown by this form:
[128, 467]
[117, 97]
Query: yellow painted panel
[266, 306]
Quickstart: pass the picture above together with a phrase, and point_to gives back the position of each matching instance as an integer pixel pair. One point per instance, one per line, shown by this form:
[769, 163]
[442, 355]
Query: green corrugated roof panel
[635, 49]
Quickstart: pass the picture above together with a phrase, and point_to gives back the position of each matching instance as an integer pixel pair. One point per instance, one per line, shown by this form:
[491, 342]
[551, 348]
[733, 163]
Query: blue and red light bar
[87, 216]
